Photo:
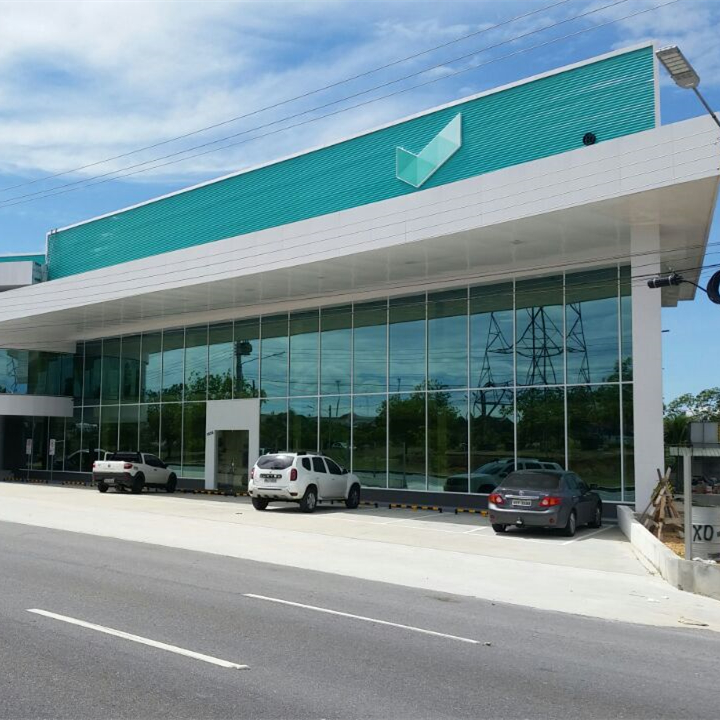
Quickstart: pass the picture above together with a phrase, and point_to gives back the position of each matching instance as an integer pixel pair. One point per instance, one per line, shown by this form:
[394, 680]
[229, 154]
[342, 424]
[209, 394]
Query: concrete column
[647, 363]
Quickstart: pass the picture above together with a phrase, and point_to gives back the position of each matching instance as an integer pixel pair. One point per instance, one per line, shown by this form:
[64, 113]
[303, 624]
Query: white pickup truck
[133, 470]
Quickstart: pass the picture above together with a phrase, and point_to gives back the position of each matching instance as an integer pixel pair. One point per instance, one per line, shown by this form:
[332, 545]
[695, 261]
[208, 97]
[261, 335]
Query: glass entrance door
[231, 468]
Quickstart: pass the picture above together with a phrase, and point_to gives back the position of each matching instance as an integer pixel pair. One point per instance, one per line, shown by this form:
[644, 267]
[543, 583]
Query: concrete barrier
[692, 576]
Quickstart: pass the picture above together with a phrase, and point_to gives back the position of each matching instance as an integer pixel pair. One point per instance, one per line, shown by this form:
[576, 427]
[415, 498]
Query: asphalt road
[309, 664]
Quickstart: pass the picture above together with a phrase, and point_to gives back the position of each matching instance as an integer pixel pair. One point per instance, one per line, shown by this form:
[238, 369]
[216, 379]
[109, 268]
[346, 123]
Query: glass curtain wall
[425, 392]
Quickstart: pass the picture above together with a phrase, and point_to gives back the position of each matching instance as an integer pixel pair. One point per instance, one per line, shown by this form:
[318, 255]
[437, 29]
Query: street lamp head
[679, 69]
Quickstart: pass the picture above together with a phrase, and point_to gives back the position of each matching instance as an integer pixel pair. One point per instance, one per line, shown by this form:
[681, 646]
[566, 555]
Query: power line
[106, 177]
[302, 96]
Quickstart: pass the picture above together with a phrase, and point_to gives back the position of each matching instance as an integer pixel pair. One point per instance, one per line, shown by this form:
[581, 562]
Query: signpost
[51, 453]
[28, 453]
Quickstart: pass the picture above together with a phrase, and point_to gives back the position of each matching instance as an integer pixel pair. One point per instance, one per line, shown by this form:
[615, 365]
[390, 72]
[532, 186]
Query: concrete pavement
[304, 663]
[597, 575]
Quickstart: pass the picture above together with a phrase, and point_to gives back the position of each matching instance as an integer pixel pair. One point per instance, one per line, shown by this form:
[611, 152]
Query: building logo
[416, 169]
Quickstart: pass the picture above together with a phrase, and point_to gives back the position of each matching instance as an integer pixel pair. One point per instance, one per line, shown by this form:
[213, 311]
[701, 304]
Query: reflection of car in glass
[80, 460]
[303, 479]
[487, 477]
[544, 498]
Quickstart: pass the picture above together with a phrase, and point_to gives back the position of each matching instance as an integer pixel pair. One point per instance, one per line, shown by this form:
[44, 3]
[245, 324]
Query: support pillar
[647, 363]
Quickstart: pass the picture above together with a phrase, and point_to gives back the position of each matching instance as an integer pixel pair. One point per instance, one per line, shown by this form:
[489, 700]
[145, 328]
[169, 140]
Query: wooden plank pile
[661, 513]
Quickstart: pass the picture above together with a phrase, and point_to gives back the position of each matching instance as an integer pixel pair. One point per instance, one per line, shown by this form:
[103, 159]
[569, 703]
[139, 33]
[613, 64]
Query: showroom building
[425, 302]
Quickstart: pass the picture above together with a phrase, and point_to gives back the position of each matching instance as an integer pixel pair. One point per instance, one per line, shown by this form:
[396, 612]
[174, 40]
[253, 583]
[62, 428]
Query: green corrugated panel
[35, 257]
[611, 98]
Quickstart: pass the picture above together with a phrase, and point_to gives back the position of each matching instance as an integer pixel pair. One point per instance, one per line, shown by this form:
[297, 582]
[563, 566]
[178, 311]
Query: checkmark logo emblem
[414, 169]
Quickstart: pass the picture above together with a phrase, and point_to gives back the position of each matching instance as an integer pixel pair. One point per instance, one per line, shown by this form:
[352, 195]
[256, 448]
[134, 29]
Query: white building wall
[647, 363]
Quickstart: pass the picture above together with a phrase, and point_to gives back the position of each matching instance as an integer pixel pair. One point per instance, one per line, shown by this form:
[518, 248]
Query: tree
[703, 407]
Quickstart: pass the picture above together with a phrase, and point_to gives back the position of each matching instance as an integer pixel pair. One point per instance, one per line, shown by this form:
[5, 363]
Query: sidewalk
[595, 574]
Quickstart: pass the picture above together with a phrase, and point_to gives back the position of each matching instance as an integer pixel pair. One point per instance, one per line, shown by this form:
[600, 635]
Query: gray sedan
[544, 498]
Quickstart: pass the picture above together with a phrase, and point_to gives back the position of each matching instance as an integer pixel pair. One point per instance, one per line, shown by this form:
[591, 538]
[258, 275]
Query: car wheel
[138, 484]
[498, 528]
[353, 498]
[260, 503]
[171, 484]
[597, 517]
[571, 527]
[103, 487]
[309, 500]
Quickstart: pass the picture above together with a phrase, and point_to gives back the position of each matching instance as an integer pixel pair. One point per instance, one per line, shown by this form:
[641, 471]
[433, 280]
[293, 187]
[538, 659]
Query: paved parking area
[595, 573]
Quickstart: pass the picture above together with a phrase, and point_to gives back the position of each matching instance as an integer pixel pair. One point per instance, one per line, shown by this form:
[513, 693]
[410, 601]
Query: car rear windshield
[124, 457]
[275, 462]
[531, 481]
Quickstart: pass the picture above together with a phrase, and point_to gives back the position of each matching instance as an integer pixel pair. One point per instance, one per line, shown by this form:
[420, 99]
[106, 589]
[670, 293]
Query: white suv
[301, 478]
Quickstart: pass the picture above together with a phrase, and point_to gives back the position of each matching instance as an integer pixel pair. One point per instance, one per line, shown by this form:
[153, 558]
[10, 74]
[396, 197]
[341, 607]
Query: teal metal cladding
[610, 98]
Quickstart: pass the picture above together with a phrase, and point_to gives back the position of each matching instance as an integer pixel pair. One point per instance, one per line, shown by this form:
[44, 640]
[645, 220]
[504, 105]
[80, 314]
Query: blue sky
[85, 81]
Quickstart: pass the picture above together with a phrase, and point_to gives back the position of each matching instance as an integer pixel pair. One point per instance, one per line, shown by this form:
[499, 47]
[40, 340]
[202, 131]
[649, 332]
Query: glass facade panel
[370, 439]
[171, 435]
[109, 417]
[151, 367]
[594, 437]
[370, 347]
[149, 430]
[591, 327]
[406, 441]
[129, 429]
[492, 438]
[335, 349]
[130, 375]
[40, 438]
[194, 440]
[448, 340]
[304, 353]
[75, 459]
[407, 343]
[13, 372]
[386, 387]
[626, 322]
[196, 362]
[541, 425]
[93, 372]
[447, 429]
[491, 336]
[111, 371]
[220, 362]
[172, 365]
[628, 443]
[91, 448]
[539, 331]
[335, 422]
[247, 359]
[274, 360]
[57, 433]
[303, 424]
[273, 426]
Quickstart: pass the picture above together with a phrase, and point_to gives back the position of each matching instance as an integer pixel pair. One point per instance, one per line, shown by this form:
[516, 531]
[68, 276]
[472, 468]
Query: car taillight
[252, 474]
[497, 499]
[127, 466]
[293, 474]
[550, 501]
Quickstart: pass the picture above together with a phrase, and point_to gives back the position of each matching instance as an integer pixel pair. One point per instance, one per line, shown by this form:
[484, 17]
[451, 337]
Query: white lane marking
[141, 640]
[474, 530]
[362, 617]
[586, 536]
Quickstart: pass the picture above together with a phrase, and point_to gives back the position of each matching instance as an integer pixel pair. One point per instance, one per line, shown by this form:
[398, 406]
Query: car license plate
[521, 503]
[270, 479]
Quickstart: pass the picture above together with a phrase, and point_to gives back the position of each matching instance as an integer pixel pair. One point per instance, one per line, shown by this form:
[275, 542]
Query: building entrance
[231, 467]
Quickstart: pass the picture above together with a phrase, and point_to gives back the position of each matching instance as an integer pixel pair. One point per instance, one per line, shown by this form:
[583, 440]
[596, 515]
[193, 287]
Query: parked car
[133, 470]
[544, 498]
[488, 476]
[301, 478]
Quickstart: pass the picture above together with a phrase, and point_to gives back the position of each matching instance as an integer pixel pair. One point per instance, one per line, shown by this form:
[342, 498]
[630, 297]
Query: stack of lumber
[661, 513]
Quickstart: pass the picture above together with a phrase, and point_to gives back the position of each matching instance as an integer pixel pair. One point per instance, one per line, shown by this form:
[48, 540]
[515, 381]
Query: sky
[84, 82]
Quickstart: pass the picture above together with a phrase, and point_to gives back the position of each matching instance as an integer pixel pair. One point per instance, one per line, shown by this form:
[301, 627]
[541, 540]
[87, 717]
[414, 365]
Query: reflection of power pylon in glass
[485, 404]
[576, 342]
[11, 372]
[541, 342]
